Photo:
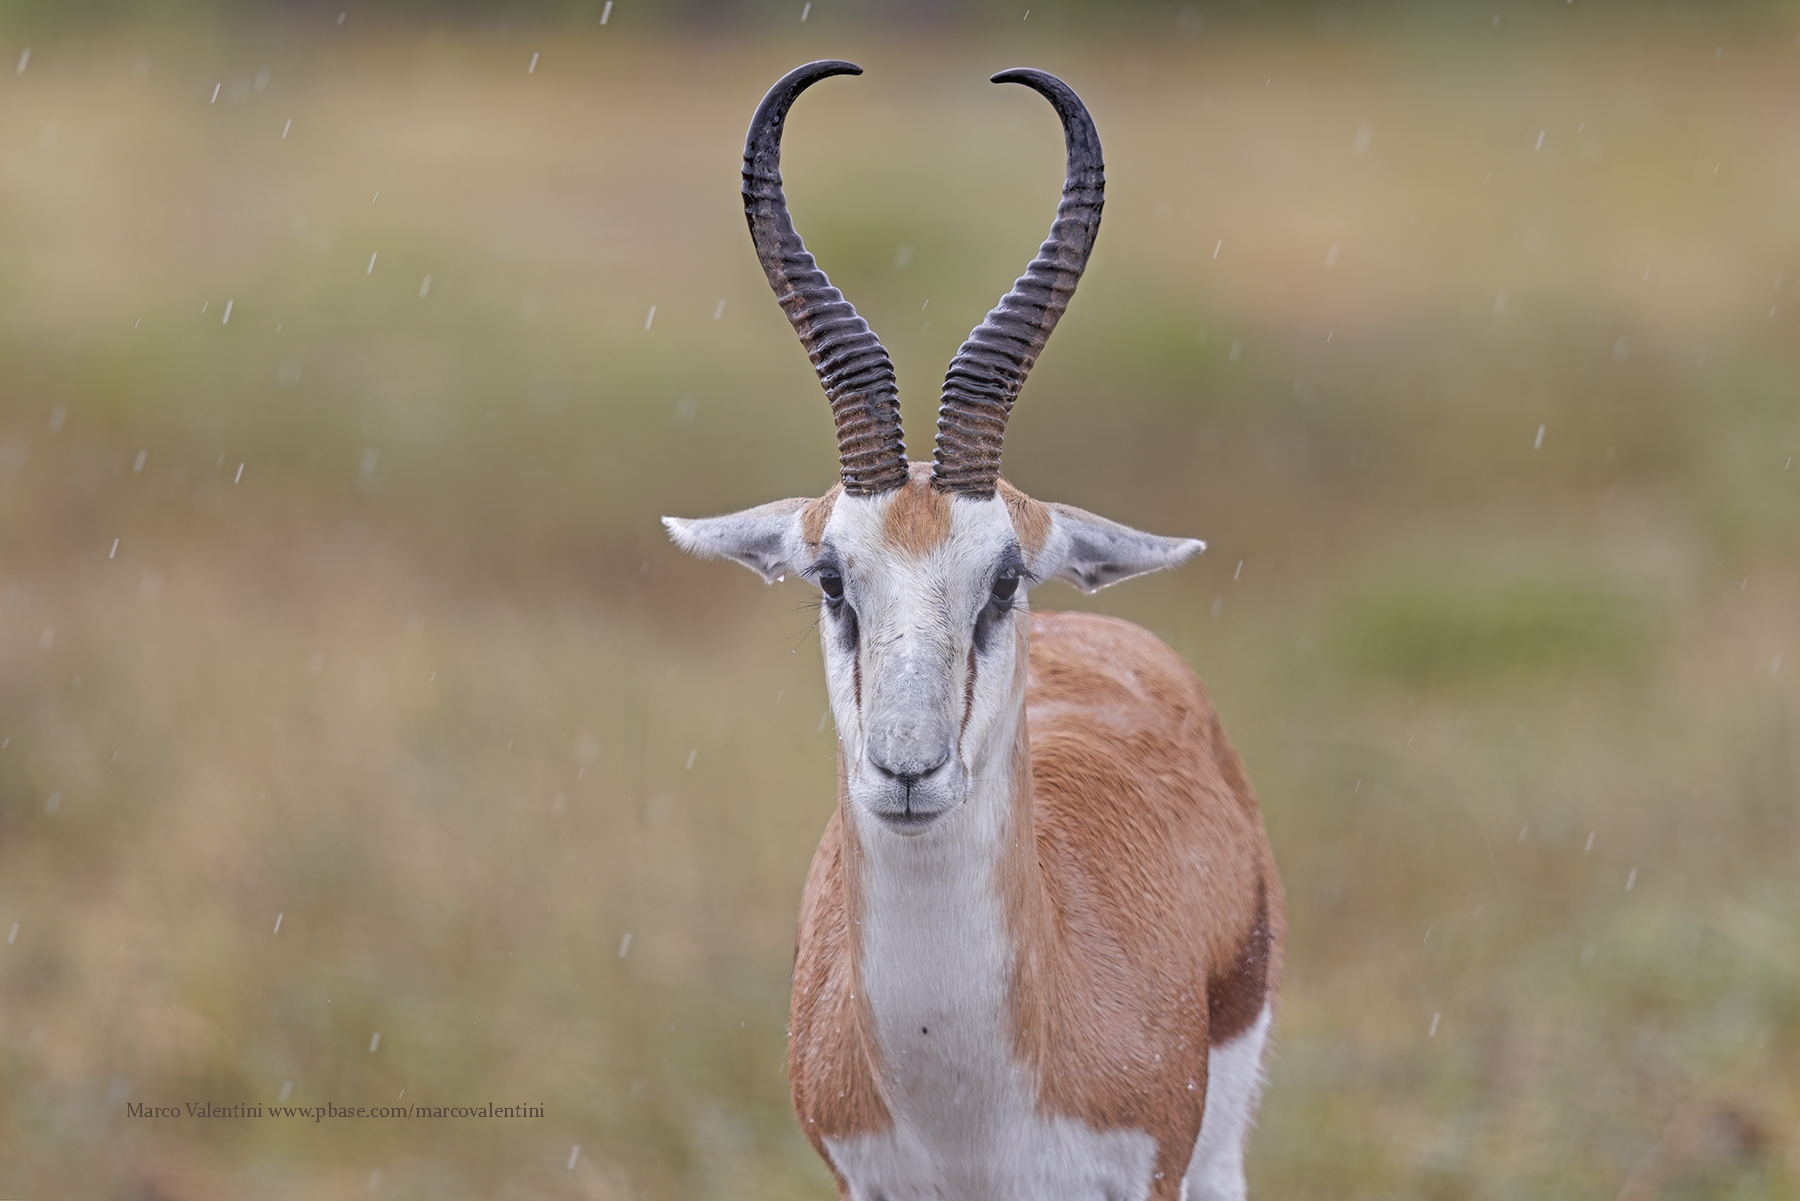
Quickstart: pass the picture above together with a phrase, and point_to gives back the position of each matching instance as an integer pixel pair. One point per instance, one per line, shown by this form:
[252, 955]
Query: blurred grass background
[1464, 333]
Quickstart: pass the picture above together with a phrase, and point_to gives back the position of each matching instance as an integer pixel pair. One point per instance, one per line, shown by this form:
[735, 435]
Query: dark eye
[832, 584]
[1005, 586]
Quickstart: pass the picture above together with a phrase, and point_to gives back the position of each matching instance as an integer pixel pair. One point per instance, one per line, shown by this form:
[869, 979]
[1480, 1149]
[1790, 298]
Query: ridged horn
[985, 376]
[852, 363]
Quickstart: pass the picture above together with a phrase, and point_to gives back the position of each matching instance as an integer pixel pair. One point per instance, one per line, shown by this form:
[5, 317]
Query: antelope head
[924, 571]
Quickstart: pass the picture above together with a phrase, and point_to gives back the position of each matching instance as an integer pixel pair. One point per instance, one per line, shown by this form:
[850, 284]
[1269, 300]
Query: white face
[920, 650]
[923, 597]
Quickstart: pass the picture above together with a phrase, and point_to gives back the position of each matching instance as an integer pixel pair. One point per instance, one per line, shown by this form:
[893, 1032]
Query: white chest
[936, 961]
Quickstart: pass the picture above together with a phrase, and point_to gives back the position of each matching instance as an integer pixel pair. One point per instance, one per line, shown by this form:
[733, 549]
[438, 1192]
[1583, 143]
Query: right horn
[851, 362]
[985, 376]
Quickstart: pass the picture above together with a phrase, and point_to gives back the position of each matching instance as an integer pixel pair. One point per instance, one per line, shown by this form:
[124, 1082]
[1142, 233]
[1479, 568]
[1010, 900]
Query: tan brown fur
[1030, 518]
[918, 518]
[813, 516]
[833, 1057]
[1154, 878]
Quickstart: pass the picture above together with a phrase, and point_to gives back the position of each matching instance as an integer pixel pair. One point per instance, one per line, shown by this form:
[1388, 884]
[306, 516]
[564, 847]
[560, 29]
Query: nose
[905, 753]
[907, 779]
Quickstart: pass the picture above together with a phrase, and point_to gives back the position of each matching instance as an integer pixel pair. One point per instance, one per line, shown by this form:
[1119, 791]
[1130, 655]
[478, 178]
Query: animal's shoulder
[1085, 667]
[1124, 741]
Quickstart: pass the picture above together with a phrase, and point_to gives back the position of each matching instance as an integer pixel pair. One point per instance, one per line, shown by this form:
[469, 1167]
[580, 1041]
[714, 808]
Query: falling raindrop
[606, 13]
[575, 1151]
[624, 945]
[374, 1042]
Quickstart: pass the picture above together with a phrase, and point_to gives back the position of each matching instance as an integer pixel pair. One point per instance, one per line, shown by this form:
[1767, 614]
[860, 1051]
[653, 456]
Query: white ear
[765, 539]
[1091, 552]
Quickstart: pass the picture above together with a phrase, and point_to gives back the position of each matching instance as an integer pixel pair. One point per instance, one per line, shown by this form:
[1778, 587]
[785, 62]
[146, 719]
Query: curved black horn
[851, 362]
[985, 376]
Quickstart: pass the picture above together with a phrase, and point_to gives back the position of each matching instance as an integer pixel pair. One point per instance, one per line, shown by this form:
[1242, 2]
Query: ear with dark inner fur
[765, 539]
[1091, 552]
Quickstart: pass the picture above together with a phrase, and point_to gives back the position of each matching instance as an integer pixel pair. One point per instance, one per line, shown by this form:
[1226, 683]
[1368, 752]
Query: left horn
[851, 361]
[985, 376]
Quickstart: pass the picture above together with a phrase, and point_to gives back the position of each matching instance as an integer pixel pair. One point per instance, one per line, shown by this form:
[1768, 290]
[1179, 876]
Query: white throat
[936, 957]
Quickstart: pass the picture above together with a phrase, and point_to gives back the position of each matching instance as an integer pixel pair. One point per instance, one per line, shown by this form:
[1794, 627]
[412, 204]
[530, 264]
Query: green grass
[1444, 630]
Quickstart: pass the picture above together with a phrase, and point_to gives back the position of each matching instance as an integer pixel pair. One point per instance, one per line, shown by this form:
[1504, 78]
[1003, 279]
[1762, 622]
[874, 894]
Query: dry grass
[426, 683]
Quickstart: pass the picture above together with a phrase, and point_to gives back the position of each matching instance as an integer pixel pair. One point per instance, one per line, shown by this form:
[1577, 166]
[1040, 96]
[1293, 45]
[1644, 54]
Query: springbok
[1041, 940]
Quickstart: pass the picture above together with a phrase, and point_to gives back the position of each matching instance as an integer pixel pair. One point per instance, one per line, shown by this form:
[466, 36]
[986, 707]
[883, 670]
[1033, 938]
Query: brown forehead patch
[1030, 518]
[918, 518]
[814, 514]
